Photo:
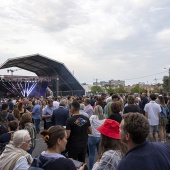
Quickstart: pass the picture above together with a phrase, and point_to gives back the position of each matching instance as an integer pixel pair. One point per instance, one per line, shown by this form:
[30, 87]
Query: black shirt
[116, 116]
[78, 124]
[131, 108]
[5, 138]
[10, 116]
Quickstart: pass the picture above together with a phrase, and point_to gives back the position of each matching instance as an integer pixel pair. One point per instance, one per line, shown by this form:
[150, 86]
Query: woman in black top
[116, 108]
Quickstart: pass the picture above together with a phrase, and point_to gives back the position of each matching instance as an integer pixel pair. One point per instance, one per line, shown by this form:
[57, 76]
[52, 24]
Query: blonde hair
[98, 110]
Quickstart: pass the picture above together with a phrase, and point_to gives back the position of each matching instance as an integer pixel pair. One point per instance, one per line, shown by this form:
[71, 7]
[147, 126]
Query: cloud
[106, 39]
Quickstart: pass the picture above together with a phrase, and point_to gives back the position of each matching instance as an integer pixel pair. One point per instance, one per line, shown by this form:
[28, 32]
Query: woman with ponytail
[56, 140]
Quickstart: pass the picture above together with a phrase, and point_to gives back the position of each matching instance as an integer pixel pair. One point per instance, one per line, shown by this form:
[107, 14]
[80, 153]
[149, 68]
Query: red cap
[110, 128]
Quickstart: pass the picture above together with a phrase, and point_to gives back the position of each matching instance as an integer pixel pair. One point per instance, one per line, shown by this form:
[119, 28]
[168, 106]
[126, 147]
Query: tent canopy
[44, 66]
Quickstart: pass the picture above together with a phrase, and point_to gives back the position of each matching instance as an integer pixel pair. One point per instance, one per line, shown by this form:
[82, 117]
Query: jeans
[93, 143]
[48, 125]
[37, 125]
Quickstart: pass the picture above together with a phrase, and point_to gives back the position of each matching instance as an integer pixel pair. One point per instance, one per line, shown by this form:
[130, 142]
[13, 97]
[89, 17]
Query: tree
[110, 90]
[120, 89]
[158, 88]
[166, 85]
[138, 89]
[96, 89]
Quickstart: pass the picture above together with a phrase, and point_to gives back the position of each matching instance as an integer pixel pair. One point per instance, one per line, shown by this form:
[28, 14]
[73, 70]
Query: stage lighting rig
[12, 71]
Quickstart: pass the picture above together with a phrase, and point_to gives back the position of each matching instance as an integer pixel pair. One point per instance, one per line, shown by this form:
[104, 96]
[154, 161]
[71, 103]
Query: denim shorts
[154, 128]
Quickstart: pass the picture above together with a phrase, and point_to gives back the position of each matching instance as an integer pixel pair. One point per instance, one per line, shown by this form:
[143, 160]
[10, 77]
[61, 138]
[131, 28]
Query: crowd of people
[116, 132]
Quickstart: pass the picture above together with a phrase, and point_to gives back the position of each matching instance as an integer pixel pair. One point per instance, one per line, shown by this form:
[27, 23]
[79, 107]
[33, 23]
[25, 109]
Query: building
[113, 83]
[87, 88]
[116, 83]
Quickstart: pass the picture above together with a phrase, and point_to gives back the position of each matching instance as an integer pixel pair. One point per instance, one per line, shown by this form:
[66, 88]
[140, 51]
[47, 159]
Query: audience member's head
[99, 112]
[153, 97]
[110, 137]
[55, 137]
[115, 97]
[21, 139]
[131, 99]
[82, 106]
[26, 118]
[75, 106]
[86, 101]
[134, 128]
[50, 103]
[5, 107]
[63, 102]
[13, 125]
[115, 107]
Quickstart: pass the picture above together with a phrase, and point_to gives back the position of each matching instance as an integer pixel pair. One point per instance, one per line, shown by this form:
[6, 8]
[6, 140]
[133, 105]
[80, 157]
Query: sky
[95, 39]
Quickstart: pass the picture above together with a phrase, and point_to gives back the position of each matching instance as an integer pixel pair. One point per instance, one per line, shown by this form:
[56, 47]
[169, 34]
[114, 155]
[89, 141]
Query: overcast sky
[103, 39]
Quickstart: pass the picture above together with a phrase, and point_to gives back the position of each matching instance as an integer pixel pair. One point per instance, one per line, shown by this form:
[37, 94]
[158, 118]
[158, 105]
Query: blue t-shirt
[36, 112]
[48, 111]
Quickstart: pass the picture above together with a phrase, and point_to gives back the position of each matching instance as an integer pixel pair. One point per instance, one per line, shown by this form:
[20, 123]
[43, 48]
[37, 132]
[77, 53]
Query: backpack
[37, 164]
[3, 124]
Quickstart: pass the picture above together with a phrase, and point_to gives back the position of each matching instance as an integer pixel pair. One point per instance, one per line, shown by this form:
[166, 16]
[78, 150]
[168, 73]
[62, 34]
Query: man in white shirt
[152, 112]
[56, 103]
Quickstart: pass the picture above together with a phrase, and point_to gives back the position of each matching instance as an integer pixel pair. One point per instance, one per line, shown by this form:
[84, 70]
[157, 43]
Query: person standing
[131, 107]
[152, 112]
[61, 114]
[82, 112]
[163, 118]
[77, 127]
[88, 108]
[47, 114]
[141, 155]
[5, 112]
[116, 108]
[96, 121]
[5, 117]
[143, 102]
[56, 103]
[112, 149]
[115, 98]
[36, 115]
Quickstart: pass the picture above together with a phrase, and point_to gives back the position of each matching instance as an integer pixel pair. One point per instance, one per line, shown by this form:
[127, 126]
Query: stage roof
[44, 66]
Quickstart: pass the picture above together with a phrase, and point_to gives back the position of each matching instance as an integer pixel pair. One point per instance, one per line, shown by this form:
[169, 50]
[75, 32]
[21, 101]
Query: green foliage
[120, 89]
[157, 88]
[138, 89]
[110, 90]
[166, 85]
[96, 89]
